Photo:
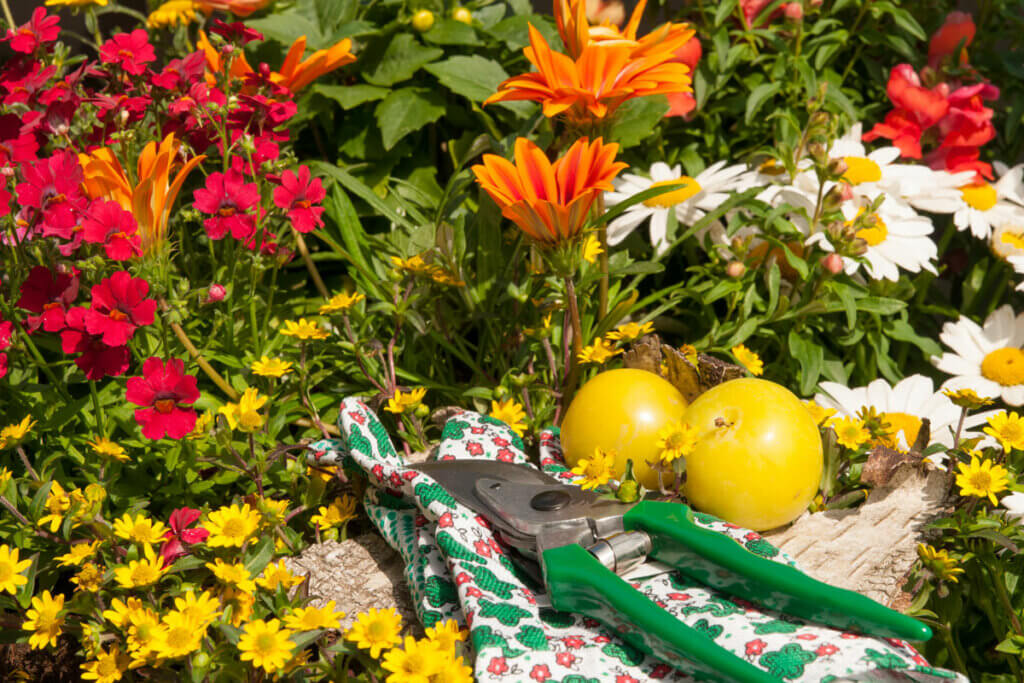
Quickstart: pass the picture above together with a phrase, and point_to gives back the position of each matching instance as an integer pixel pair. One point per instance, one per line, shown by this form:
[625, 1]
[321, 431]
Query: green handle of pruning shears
[577, 582]
[718, 561]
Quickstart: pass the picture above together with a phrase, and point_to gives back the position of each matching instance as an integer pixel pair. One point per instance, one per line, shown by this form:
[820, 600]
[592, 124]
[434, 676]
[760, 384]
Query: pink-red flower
[97, 360]
[958, 28]
[131, 51]
[180, 536]
[682, 103]
[6, 330]
[228, 199]
[236, 32]
[164, 391]
[298, 195]
[52, 186]
[119, 306]
[113, 227]
[39, 30]
[49, 293]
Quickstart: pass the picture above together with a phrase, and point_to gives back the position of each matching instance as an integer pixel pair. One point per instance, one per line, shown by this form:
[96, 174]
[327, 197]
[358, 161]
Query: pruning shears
[580, 543]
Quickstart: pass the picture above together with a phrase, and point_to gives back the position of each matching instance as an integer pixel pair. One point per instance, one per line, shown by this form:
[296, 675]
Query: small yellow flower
[403, 401]
[592, 248]
[337, 513]
[78, 554]
[748, 359]
[304, 329]
[144, 631]
[444, 277]
[446, 634]
[119, 611]
[138, 573]
[90, 578]
[201, 609]
[819, 413]
[12, 434]
[597, 469]
[511, 413]
[204, 423]
[452, 670]
[11, 568]
[967, 398]
[266, 644]
[57, 503]
[75, 3]
[271, 367]
[540, 332]
[172, 13]
[139, 529]
[240, 603]
[5, 478]
[313, 618]
[417, 660]
[272, 512]
[44, 620]
[275, 575]
[982, 479]
[231, 526]
[676, 441]
[1007, 429]
[232, 574]
[415, 265]
[341, 302]
[179, 636]
[107, 448]
[630, 331]
[939, 563]
[598, 352]
[850, 432]
[376, 630]
[244, 415]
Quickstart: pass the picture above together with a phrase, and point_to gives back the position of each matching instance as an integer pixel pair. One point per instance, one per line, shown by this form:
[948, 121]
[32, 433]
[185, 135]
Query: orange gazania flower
[549, 201]
[240, 8]
[592, 86]
[150, 201]
[577, 32]
[295, 74]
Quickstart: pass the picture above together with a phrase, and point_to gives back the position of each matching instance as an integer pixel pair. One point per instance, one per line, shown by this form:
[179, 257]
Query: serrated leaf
[351, 96]
[403, 57]
[406, 110]
[475, 78]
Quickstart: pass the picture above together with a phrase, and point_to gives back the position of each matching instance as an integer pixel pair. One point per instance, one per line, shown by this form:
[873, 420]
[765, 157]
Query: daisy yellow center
[1014, 239]
[910, 425]
[981, 197]
[416, 663]
[981, 480]
[675, 440]
[861, 170]
[1011, 431]
[266, 643]
[140, 530]
[378, 630]
[687, 188]
[874, 235]
[234, 527]
[1004, 366]
[179, 637]
[144, 574]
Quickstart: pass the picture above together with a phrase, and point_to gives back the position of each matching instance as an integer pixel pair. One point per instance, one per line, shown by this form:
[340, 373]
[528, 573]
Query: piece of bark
[869, 549]
[644, 354]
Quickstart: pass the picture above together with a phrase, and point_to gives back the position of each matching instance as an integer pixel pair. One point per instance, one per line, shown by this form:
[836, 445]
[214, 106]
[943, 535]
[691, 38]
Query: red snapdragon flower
[97, 360]
[119, 306]
[959, 26]
[39, 30]
[228, 199]
[917, 109]
[49, 293]
[53, 186]
[113, 227]
[297, 195]
[180, 535]
[164, 391]
[131, 51]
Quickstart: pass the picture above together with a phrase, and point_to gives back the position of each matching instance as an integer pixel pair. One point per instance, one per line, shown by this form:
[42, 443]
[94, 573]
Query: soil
[59, 665]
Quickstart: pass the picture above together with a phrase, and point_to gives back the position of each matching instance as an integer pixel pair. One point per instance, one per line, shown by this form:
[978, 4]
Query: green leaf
[361, 190]
[880, 305]
[723, 11]
[515, 34]
[351, 96]
[406, 110]
[287, 27]
[451, 32]
[403, 57]
[636, 118]
[758, 97]
[810, 356]
[261, 556]
[475, 78]
[903, 331]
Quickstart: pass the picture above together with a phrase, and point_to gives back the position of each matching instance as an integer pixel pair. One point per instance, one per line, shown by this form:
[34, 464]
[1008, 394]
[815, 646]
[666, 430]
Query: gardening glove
[456, 569]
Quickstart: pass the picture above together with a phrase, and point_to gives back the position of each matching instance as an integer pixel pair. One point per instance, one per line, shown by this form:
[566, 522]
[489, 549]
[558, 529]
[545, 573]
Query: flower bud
[819, 118]
[837, 166]
[7, 171]
[817, 3]
[737, 244]
[846, 191]
[833, 198]
[735, 269]
[500, 393]
[858, 247]
[818, 152]
[464, 15]
[422, 412]
[423, 20]
[794, 11]
[833, 263]
[215, 293]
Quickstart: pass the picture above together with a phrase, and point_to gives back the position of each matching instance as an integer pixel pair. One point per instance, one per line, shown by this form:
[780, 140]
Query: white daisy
[903, 407]
[986, 358]
[983, 206]
[694, 198]
[1014, 503]
[1008, 240]
[1018, 267]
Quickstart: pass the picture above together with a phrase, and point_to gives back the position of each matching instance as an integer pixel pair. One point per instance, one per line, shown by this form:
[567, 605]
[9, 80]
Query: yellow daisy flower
[244, 415]
[598, 352]
[120, 609]
[179, 636]
[341, 302]
[939, 563]
[967, 398]
[75, 3]
[376, 630]
[446, 634]
[105, 447]
[415, 265]
[304, 329]
[138, 573]
[265, 644]
[107, 667]
[676, 441]
[143, 631]
[630, 331]
[172, 13]
[139, 529]
[202, 608]
[313, 618]
[850, 432]
[819, 413]
[44, 620]
[1007, 429]
[240, 602]
[57, 503]
[12, 434]
[403, 401]
[78, 554]
[232, 574]
[5, 477]
[273, 512]
[11, 568]
[511, 413]
[337, 513]
[597, 469]
[275, 575]
[418, 659]
[748, 359]
[452, 670]
[203, 425]
[231, 526]
[982, 479]
[592, 248]
[89, 579]
[271, 367]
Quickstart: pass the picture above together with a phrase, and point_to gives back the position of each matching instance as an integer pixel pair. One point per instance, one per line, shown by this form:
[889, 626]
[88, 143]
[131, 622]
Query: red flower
[755, 647]
[959, 26]
[97, 360]
[296, 195]
[113, 227]
[163, 391]
[39, 30]
[682, 103]
[968, 123]
[497, 666]
[235, 32]
[540, 673]
[178, 72]
[180, 535]
[215, 293]
[49, 293]
[6, 330]
[52, 186]
[228, 198]
[565, 658]
[826, 650]
[3, 365]
[119, 306]
[131, 51]
[445, 520]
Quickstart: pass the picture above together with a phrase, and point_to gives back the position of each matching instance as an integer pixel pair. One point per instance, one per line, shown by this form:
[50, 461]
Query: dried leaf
[645, 354]
[714, 371]
[681, 373]
[882, 463]
[441, 416]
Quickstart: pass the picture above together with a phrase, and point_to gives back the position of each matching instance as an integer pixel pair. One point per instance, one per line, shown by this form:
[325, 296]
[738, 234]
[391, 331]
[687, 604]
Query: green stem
[573, 371]
[43, 365]
[206, 367]
[310, 266]
[602, 236]
[998, 578]
[7, 14]
[951, 647]
[101, 419]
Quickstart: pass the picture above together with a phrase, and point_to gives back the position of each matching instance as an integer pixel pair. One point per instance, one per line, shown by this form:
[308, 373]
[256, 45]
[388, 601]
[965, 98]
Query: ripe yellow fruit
[423, 20]
[758, 458]
[464, 15]
[622, 410]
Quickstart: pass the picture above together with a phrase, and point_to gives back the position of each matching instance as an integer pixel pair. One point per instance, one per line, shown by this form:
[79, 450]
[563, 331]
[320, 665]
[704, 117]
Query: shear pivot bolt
[547, 501]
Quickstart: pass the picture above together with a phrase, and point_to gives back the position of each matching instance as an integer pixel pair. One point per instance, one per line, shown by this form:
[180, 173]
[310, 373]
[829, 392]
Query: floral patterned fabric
[457, 569]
